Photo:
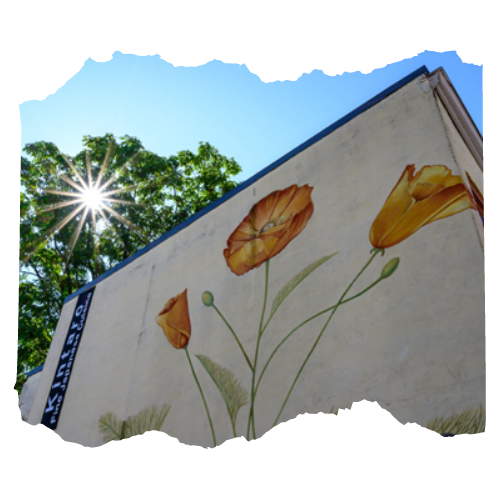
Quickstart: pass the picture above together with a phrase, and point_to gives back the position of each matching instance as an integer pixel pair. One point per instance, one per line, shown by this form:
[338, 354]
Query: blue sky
[174, 108]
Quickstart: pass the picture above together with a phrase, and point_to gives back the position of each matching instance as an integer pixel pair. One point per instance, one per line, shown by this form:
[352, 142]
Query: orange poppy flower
[431, 194]
[175, 322]
[272, 223]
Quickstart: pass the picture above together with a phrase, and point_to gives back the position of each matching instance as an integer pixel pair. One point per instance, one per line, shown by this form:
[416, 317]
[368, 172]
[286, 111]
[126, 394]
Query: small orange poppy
[175, 322]
[431, 194]
[272, 223]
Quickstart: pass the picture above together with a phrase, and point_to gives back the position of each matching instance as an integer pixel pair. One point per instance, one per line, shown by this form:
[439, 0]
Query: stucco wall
[414, 343]
[28, 394]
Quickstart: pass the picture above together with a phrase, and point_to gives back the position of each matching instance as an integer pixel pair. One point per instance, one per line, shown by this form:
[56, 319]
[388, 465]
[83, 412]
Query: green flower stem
[251, 413]
[307, 321]
[234, 335]
[202, 396]
[375, 252]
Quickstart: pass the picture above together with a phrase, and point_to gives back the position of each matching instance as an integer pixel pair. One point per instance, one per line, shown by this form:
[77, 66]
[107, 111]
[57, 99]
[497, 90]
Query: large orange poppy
[272, 223]
[175, 322]
[431, 194]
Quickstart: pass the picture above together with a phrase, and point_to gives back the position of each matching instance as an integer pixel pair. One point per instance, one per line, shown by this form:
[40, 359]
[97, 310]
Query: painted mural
[419, 198]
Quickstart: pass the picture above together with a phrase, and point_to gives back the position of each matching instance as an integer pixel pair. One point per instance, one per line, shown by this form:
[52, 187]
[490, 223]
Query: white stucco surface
[28, 393]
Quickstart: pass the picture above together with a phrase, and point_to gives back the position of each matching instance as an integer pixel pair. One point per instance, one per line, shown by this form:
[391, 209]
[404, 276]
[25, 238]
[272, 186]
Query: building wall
[28, 394]
[465, 162]
[414, 342]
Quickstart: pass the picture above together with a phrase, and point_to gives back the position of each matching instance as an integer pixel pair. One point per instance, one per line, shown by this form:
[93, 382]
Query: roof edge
[35, 370]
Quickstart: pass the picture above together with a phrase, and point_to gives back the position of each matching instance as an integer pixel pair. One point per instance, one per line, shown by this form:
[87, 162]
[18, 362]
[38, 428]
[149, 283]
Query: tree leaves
[230, 389]
[288, 288]
[171, 188]
[149, 419]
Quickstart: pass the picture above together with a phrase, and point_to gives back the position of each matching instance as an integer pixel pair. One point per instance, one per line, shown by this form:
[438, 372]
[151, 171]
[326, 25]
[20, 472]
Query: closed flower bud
[207, 298]
[389, 268]
[175, 322]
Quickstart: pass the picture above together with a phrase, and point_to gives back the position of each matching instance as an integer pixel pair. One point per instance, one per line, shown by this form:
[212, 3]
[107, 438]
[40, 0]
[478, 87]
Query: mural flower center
[270, 226]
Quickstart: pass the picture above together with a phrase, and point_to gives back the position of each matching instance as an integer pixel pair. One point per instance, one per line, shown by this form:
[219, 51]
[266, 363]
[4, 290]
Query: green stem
[307, 321]
[202, 396]
[321, 333]
[234, 335]
[251, 413]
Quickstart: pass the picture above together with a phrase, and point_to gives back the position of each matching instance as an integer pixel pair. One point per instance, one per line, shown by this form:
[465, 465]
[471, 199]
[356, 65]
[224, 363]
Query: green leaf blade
[468, 422]
[110, 427]
[149, 419]
[288, 288]
[230, 389]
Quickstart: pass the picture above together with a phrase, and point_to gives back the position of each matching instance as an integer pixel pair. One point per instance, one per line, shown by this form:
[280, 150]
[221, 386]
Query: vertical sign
[63, 372]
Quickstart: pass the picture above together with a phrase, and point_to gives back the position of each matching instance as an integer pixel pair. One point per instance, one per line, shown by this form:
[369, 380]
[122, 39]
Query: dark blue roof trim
[35, 370]
[258, 175]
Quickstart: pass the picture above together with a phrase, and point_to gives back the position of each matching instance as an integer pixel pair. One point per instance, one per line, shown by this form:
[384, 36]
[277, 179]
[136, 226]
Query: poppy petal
[262, 212]
[422, 213]
[395, 208]
[300, 201]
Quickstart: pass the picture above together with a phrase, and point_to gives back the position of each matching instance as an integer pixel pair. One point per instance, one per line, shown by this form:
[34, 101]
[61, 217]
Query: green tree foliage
[169, 190]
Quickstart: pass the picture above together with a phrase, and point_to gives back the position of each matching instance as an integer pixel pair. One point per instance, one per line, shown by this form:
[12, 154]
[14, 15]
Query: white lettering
[50, 403]
[60, 372]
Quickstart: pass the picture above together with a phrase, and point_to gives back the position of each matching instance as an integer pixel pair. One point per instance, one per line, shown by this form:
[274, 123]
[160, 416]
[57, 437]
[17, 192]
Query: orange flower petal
[422, 213]
[395, 208]
[175, 322]
[286, 197]
[250, 256]
[275, 231]
[268, 228]
[460, 204]
[300, 201]
[432, 179]
[301, 219]
[435, 174]
[244, 231]
[178, 316]
[262, 212]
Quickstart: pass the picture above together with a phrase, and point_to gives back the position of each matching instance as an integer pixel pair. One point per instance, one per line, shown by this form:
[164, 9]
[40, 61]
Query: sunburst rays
[91, 197]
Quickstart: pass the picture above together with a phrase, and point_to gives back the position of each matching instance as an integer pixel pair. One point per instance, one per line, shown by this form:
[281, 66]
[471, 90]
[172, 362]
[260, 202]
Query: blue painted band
[35, 370]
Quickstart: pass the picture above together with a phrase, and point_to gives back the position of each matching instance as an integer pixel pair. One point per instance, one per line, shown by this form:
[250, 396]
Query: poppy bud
[389, 268]
[175, 322]
[207, 298]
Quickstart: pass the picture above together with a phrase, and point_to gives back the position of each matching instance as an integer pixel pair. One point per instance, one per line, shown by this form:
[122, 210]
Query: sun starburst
[91, 197]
